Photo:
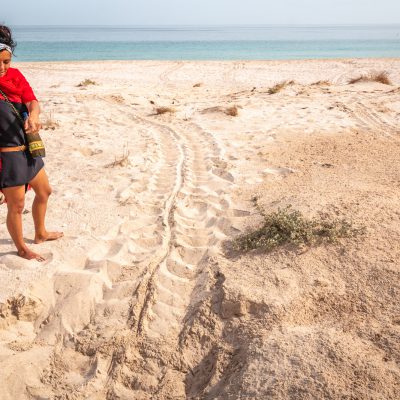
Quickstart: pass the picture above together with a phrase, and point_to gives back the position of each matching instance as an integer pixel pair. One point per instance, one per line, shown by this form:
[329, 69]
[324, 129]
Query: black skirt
[18, 168]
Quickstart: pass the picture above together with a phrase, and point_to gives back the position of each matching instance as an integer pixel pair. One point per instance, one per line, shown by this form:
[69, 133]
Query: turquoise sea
[61, 43]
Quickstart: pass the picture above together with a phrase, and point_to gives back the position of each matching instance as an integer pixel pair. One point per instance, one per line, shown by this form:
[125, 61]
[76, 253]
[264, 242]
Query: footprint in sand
[223, 174]
[13, 262]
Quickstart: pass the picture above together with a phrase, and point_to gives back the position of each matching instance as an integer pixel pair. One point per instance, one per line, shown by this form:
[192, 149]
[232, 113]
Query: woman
[18, 168]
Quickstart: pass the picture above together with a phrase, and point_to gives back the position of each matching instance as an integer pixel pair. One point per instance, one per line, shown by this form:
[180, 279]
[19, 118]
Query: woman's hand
[32, 124]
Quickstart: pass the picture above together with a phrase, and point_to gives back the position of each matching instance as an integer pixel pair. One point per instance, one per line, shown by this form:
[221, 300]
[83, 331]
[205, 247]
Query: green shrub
[86, 82]
[288, 226]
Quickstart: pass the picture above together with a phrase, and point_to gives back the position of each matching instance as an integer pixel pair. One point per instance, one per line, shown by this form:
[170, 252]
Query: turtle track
[368, 119]
[179, 213]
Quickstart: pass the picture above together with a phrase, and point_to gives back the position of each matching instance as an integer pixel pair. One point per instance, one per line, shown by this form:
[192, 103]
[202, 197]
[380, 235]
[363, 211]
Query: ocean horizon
[241, 42]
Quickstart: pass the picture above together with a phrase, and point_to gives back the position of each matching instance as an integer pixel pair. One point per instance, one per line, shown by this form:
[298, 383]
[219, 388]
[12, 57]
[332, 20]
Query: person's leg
[15, 197]
[40, 184]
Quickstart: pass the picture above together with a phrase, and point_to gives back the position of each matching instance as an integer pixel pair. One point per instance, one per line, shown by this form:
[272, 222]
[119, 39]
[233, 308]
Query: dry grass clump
[86, 82]
[373, 76]
[382, 77]
[287, 226]
[279, 86]
[164, 110]
[321, 83]
[122, 161]
[233, 111]
[50, 123]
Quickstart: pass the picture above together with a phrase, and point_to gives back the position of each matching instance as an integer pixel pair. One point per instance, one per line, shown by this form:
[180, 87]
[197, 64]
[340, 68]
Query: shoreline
[218, 61]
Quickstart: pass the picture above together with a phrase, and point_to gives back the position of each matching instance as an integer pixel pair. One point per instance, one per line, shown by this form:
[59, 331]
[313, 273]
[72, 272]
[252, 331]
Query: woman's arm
[32, 124]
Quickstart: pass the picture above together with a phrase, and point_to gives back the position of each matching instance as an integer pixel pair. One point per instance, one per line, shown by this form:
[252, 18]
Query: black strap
[18, 115]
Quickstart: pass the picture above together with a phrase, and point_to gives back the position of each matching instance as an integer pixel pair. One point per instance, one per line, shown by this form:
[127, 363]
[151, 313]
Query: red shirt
[16, 87]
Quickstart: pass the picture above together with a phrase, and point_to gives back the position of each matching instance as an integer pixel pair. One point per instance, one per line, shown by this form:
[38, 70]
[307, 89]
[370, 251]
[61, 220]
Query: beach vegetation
[279, 86]
[164, 110]
[49, 123]
[321, 83]
[233, 111]
[290, 227]
[87, 82]
[121, 161]
[373, 76]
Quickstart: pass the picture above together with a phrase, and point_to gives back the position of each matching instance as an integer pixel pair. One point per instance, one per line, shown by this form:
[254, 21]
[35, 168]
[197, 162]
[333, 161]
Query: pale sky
[199, 12]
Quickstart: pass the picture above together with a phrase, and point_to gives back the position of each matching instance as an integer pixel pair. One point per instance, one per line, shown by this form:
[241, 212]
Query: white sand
[139, 300]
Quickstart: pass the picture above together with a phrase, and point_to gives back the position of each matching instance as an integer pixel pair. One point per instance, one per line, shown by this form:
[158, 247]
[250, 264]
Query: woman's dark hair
[6, 37]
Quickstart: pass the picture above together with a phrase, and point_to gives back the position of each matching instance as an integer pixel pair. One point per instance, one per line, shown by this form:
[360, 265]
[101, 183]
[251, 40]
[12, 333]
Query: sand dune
[140, 299]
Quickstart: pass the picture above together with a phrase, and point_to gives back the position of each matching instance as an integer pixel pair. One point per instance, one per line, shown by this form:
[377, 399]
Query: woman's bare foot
[30, 255]
[48, 236]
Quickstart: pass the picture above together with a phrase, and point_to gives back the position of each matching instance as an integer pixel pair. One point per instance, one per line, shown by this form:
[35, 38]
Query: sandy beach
[141, 300]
